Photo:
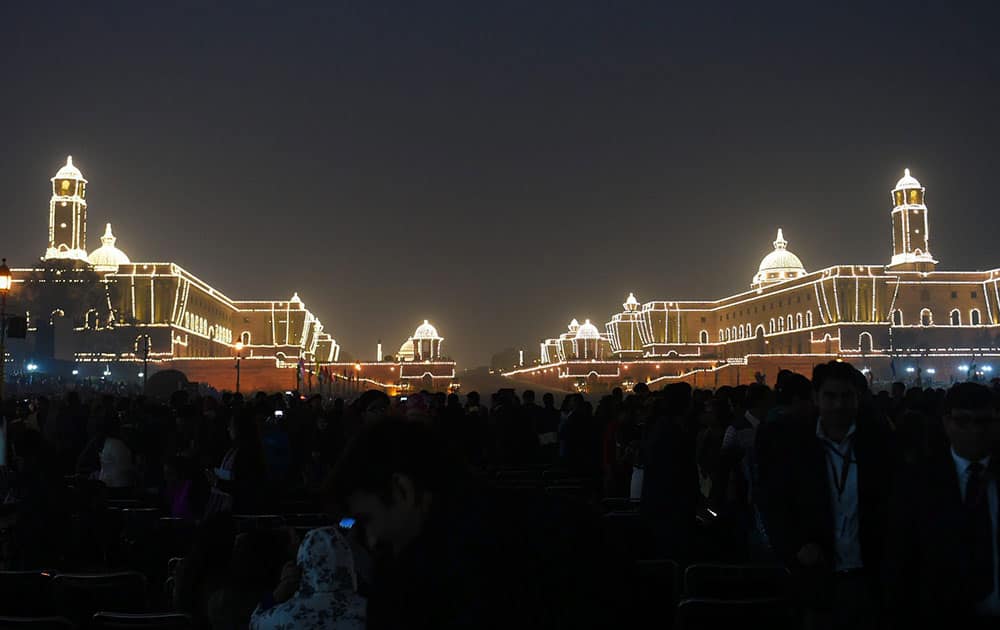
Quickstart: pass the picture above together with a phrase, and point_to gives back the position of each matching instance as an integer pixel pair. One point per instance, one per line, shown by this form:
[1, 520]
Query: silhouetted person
[449, 554]
[237, 484]
[827, 526]
[942, 563]
[547, 430]
[670, 478]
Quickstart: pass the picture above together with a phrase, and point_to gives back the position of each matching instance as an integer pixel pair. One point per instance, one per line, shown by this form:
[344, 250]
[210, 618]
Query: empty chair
[735, 581]
[24, 593]
[251, 522]
[722, 614]
[629, 534]
[518, 475]
[36, 623]
[158, 621]
[653, 587]
[577, 492]
[619, 504]
[78, 597]
[311, 520]
[174, 536]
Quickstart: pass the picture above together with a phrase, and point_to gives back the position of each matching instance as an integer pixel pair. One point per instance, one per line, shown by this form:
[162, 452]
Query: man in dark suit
[825, 509]
[941, 562]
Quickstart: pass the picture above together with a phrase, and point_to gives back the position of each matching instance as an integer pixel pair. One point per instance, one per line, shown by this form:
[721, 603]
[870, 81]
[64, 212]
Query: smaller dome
[631, 304]
[295, 298]
[907, 181]
[425, 331]
[69, 171]
[587, 331]
[107, 257]
[573, 325]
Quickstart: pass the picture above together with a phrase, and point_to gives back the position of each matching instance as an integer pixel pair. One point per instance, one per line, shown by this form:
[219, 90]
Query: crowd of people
[882, 507]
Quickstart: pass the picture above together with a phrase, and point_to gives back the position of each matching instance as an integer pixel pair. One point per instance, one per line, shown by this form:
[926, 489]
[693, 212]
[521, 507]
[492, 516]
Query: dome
[69, 171]
[107, 257]
[907, 181]
[631, 304]
[587, 331]
[405, 351]
[779, 265]
[425, 331]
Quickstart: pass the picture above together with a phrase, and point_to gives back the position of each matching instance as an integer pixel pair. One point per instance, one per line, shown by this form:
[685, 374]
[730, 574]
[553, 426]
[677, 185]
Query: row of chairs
[711, 595]
[102, 621]
[74, 596]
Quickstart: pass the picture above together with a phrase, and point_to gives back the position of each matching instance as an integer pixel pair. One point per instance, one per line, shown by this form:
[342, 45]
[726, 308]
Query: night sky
[498, 167]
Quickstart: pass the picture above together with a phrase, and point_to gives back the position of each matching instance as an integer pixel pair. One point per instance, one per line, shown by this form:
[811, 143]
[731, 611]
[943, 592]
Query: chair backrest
[80, 596]
[619, 504]
[24, 593]
[653, 586]
[629, 533]
[250, 522]
[706, 613]
[312, 520]
[33, 623]
[518, 475]
[157, 621]
[735, 581]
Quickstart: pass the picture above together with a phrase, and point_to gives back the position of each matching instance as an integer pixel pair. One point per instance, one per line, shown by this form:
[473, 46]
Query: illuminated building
[102, 312]
[419, 365]
[893, 320]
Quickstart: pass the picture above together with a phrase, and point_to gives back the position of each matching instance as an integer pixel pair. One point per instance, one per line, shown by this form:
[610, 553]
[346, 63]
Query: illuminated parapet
[550, 350]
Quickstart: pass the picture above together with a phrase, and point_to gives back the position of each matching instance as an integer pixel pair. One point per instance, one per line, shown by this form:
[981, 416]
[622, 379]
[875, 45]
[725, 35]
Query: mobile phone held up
[346, 523]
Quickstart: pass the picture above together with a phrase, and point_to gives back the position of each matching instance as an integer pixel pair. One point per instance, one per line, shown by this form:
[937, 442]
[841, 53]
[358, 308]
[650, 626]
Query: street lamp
[239, 355]
[5, 281]
[145, 361]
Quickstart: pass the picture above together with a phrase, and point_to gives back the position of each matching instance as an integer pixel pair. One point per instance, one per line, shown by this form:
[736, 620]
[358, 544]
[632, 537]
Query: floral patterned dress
[326, 597]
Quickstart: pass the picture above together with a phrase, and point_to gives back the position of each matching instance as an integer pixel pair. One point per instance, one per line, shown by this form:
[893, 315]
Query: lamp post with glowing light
[145, 361]
[5, 281]
[239, 355]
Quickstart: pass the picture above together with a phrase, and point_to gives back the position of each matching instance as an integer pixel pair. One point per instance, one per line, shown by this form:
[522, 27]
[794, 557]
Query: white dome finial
[109, 238]
[69, 160]
[780, 242]
[906, 172]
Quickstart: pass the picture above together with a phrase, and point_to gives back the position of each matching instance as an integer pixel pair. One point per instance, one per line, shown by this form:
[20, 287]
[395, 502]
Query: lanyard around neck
[840, 481]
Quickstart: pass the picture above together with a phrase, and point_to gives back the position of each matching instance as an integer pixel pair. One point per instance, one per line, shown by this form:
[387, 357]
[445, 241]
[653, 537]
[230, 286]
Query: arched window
[955, 318]
[897, 317]
[703, 336]
[771, 326]
[789, 325]
[245, 338]
[975, 317]
[722, 337]
[926, 318]
[809, 318]
[798, 320]
[865, 343]
[781, 324]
